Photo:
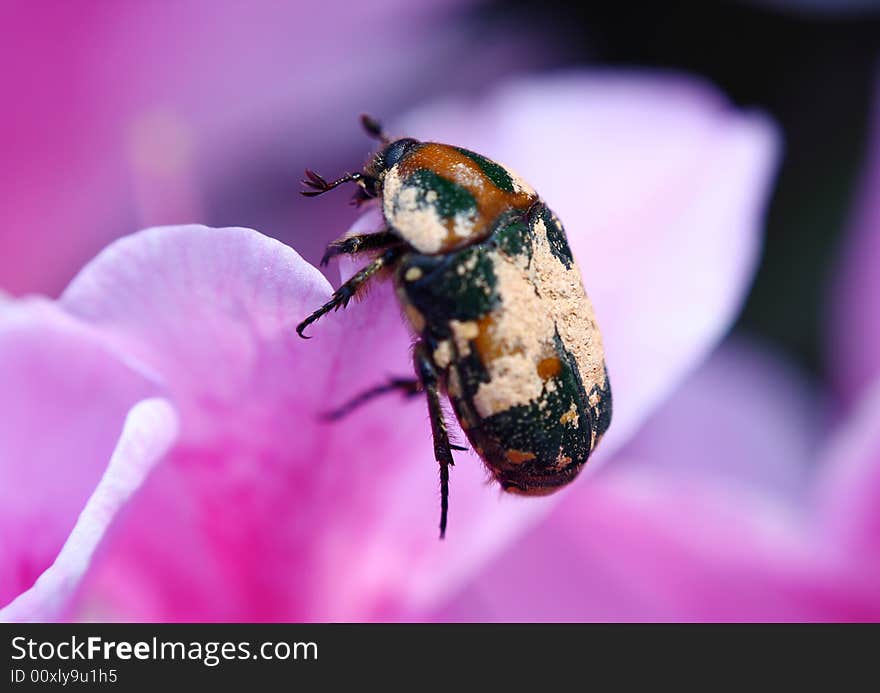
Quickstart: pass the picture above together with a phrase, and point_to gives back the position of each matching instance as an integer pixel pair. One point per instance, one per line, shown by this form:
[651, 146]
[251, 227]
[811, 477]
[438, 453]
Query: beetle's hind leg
[408, 387]
[347, 291]
[361, 243]
[428, 379]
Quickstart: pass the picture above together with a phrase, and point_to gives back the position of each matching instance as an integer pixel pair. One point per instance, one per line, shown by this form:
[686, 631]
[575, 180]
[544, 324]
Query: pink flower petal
[663, 553]
[661, 186]
[850, 488]
[854, 334]
[709, 426]
[150, 429]
[211, 311]
[62, 408]
[641, 543]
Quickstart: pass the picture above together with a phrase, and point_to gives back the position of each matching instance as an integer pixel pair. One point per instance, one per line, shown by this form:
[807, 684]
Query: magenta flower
[162, 452]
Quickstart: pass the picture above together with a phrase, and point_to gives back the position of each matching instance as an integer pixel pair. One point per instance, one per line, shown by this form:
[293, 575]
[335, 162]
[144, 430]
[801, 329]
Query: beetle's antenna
[319, 185]
[374, 128]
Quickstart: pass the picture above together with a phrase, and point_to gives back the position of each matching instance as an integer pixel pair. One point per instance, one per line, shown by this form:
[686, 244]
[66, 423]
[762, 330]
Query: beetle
[486, 279]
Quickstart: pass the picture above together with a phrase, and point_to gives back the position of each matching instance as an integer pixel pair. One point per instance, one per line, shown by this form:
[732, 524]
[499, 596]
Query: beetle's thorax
[439, 198]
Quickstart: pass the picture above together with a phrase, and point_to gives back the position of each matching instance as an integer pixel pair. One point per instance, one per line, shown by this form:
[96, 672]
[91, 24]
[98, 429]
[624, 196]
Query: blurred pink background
[159, 453]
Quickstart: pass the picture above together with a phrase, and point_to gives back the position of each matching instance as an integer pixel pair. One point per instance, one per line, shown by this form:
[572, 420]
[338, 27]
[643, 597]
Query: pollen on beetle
[571, 416]
[413, 274]
[520, 187]
[463, 333]
[443, 354]
[403, 207]
[562, 461]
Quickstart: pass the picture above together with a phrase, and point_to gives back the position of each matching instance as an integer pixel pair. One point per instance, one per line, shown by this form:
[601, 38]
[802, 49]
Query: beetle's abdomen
[524, 362]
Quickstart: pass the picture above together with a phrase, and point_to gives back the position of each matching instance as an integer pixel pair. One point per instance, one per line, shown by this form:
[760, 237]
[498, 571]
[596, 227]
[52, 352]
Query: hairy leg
[361, 243]
[347, 291]
[428, 378]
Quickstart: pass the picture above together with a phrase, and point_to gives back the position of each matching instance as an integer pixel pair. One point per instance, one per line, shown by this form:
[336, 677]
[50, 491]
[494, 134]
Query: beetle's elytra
[485, 276]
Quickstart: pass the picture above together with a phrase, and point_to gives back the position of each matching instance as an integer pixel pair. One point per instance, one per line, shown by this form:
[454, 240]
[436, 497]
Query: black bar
[241, 656]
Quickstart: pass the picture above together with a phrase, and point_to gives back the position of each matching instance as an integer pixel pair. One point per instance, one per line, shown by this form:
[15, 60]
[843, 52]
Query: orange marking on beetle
[549, 368]
[448, 162]
[518, 456]
[485, 343]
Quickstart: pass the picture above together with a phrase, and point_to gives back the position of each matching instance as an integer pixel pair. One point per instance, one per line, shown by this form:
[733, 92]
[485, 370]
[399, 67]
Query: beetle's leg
[361, 243]
[409, 387]
[442, 449]
[344, 293]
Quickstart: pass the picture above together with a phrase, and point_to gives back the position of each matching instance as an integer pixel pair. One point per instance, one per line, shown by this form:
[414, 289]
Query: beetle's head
[369, 180]
[382, 161]
[389, 156]
[391, 153]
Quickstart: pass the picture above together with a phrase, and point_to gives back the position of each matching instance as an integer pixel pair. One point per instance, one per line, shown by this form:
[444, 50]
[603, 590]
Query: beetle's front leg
[347, 291]
[427, 374]
[360, 243]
